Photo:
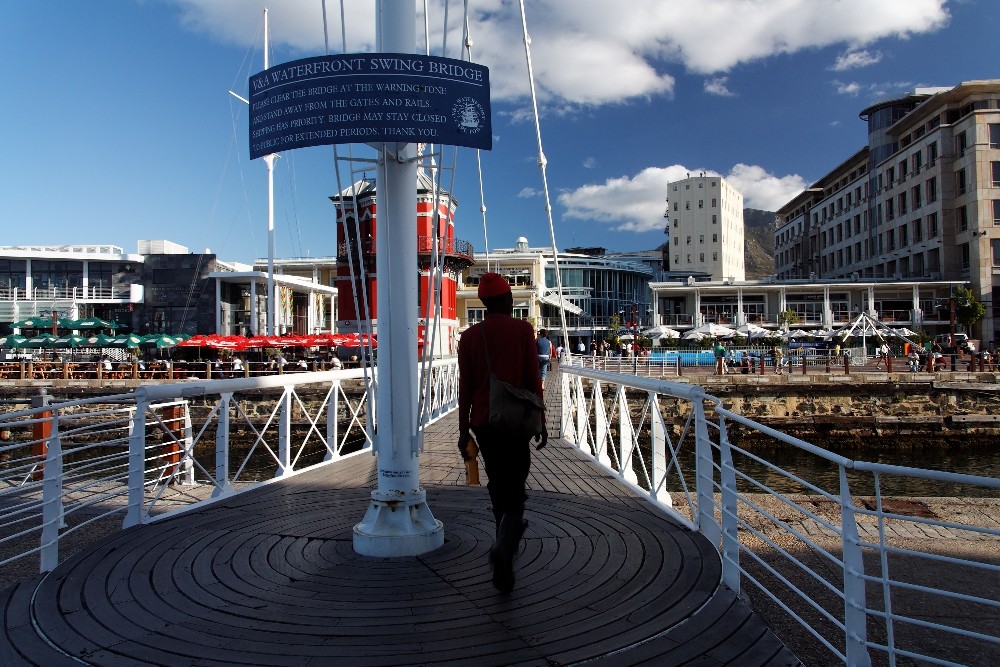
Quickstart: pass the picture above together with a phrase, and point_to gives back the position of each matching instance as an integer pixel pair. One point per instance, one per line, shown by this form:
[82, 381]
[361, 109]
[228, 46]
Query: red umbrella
[264, 341]
[215, 341]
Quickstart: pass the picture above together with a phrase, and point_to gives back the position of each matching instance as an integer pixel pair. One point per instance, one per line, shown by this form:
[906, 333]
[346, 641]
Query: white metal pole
[269, 159]
[398, 521]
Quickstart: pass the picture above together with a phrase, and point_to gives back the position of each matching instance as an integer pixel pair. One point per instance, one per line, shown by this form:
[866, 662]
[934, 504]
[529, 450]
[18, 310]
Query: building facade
[598, 293]
[705, 228]
[920, 201]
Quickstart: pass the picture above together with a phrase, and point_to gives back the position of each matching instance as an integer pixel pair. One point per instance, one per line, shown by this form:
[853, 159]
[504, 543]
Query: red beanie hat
[492, 284]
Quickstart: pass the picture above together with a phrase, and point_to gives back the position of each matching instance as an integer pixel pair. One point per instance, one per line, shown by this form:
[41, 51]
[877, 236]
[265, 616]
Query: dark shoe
[502, 554]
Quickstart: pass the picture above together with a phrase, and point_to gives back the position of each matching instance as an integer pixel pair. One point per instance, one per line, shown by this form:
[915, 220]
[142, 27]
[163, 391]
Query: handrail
[644, 431]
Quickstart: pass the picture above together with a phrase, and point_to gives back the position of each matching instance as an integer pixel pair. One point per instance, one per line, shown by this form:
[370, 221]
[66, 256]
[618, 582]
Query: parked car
[962, 343]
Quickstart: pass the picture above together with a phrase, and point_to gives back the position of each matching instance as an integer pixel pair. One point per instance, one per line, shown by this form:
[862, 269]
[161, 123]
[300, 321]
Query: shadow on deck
[269, 577]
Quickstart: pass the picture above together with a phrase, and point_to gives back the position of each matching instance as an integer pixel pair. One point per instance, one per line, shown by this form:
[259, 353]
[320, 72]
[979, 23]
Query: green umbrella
[42, 341]
[66, 323]
[93, 323]
[72, 341]
[130, 340]
[14, 342]
[33, 323]
[159, 340]
[100, 340]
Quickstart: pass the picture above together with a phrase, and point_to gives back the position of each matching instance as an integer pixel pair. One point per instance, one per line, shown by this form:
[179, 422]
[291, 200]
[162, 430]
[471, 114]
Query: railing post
[704, 475]
[41, 431]
[52, 505]
[730, 509]
[285, 434]
[332, 427]
[855, 618]
[659, 463]
[222, 485]
[188, 462]
[626, 438]
[137, 463]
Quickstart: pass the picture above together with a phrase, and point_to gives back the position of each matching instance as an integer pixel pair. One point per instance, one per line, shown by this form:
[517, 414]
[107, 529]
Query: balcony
[90, 293]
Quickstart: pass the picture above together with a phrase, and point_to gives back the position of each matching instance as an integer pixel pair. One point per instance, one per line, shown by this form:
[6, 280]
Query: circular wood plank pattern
[272, 579]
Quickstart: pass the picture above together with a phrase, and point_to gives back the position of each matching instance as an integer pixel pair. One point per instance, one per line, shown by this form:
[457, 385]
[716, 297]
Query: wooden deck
[270, 577]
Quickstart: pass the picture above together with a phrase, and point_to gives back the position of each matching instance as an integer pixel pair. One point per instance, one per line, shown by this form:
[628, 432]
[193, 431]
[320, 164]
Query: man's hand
[543, 437]
[464, 440]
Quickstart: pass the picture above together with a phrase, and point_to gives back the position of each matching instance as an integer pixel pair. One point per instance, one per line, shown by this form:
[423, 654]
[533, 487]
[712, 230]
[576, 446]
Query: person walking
[513, 358]
[543, 348]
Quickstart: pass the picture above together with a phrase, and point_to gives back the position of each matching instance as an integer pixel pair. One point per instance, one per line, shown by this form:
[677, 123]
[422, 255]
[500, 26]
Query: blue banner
[370, 98]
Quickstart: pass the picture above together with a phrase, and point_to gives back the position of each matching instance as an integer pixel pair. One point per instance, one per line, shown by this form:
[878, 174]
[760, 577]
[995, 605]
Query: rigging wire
[365, 322]
[542, 163]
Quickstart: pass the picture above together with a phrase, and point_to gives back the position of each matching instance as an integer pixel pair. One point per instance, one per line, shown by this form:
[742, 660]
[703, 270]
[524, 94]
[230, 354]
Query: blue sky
[118, 124]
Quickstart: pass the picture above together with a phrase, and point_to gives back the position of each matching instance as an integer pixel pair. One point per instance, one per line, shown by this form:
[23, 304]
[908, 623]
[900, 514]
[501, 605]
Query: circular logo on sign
[468, 115]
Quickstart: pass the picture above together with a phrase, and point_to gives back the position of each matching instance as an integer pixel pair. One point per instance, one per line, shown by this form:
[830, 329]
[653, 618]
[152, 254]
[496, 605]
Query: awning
[565, 304]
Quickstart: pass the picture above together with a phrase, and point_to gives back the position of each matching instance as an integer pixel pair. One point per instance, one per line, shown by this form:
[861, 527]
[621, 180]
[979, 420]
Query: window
[687, 206]
[890, 209]
[676, 223]
[520, 312]
[996, 212]
[961, 187]
[715, 238]
[917, 229]
[901, 200]
[904, 236]
[676, 206]
[961, 143]
[994, 129]
[932, 154]
[715, 257]
[714, 219]
[677, 240]
[474, 315]
[962, 213]
[713, 202]
[932, 225]
[890, 176]
[689, 240]
[701, 203]
[995, 168]
[917, 161]
[931, 190]
[966, 254]
[995, 248]
[701, 238]
[701, 257]
[915, 196]
[689, 258]
[677, 260]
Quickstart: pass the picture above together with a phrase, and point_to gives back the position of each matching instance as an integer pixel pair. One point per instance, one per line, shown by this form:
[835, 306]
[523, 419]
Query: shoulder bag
[513, 410]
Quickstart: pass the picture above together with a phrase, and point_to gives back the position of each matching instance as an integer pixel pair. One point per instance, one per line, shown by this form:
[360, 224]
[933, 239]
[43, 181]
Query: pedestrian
[593, 348]
[779, 359]
[513, 358]
[581, 348]
[720, 357]
[543, 348]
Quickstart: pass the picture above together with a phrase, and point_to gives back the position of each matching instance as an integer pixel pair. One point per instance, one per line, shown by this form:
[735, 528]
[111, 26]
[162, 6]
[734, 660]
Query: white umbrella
[695, 335]
[714, 330]
[750, 329]
[661, 331]
[903, 331]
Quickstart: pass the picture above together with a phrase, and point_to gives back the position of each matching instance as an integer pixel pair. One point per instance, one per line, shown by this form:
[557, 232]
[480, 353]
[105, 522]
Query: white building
[920, 201]
[705, 227]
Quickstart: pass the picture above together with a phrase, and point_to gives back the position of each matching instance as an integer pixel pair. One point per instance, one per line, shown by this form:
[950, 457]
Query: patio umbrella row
[48, 341]
[87, 323]
[237, 343]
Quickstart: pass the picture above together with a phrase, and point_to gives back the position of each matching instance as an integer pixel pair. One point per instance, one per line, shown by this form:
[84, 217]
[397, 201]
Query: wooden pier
[269, 577]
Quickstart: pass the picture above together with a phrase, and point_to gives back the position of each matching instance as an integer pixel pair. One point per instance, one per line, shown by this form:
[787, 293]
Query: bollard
[847, 364]
[678, 360]
[954, 362]
[827, 363]
[888, 363]
[805, 363]
[40, 434]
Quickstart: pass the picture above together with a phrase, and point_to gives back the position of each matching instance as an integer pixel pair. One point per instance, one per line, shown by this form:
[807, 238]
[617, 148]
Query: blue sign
[370, 98]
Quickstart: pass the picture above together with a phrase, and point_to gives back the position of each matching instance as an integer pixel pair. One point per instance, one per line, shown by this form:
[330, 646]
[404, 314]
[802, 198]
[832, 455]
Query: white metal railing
[832, 552]
[167, 447]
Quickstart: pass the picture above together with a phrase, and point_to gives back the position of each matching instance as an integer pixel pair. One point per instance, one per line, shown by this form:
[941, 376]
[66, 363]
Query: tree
[968, 311]
[788, 316]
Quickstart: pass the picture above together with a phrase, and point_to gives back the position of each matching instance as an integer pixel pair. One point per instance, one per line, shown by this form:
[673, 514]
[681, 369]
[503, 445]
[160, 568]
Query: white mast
[398, 521]
[269, 159]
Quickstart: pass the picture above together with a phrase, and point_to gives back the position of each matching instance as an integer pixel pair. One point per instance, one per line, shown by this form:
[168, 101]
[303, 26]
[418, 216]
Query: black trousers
[507, 460]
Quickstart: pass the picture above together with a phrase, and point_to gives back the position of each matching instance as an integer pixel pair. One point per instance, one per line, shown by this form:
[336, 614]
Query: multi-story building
[920, 201]
[705, 228]
[597, 291]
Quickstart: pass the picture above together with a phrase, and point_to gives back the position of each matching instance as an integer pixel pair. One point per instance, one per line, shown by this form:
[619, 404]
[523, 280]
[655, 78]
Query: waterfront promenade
[269, 577]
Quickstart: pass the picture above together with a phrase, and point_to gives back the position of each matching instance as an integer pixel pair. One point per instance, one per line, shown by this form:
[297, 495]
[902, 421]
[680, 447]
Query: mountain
[758, 232]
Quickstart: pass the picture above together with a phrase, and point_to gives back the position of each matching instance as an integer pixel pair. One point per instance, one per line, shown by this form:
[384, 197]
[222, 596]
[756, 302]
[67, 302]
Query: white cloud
[852, 88]
[527, 193]
[718, 86]
[589, 162]
[856, 59]
[590, 52]
[637, 204]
